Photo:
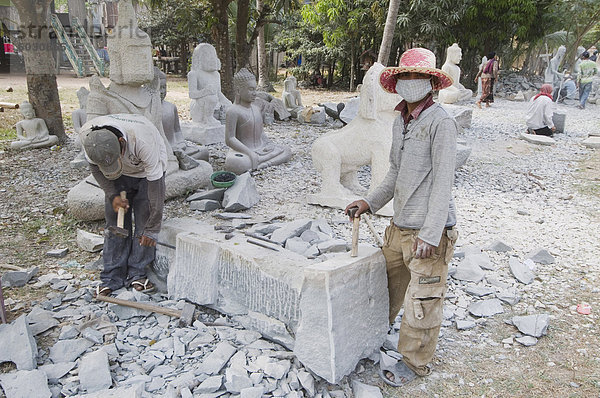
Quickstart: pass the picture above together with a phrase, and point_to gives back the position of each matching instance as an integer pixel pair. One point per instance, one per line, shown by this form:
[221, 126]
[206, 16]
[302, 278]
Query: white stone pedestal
[86, 202]
[203, 135]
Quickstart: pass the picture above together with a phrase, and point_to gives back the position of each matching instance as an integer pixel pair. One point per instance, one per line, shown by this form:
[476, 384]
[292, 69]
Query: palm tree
[388, 32]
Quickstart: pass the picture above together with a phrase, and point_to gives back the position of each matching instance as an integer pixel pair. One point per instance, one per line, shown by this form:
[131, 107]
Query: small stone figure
[272, 107]
[576, 68]
[32, 131]
[291, 96]
[456, 92]
[250, 147]
[184, 153]
[204, 84]
[79, 117]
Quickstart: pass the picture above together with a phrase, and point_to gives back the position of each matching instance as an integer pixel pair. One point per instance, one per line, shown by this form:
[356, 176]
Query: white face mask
[413, 90]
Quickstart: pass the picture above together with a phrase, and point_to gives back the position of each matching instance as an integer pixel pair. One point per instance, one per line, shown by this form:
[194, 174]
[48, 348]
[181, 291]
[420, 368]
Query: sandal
[143, 285]
[401, 373]
[103, 291]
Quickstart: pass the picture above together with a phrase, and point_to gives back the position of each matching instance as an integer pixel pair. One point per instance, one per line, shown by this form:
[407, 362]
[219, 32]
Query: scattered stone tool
[120, 231]
[258, 243]
[2, 308]
[355, 224]
[186, 315]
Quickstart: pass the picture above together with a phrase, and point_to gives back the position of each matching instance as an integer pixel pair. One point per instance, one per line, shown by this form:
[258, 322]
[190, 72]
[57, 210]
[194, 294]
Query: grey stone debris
[252, 392]
[94, 372]
[362, 390]
[486, 308]
[59, 253]
[482, 260]
[89, 242]
[465, 324]
[479, 291]
[527, 341]
[462, 155]
[210, 385]
[538, 139]
[290, 230]
[498, 246]
[122, 312]
[93, 335]
[237, 379]
[68, 350]
[134, 391]
[591, 142]
[213, 194]
[25, 384]
[18, 278]
[350, 110]
[297, 245]
[205, 205]
[333, 246]
[214, 362]
[56, 371]
[468, 270]
[241, 195]
[532, 325]
[277, 370]
[520, 271]
[541, 256]
[17, 344]
[232, 216]
[509, 297]
[307, 381]
[40, 320]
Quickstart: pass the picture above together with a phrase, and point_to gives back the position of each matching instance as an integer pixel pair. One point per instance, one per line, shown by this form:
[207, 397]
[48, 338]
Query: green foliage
[172, 22]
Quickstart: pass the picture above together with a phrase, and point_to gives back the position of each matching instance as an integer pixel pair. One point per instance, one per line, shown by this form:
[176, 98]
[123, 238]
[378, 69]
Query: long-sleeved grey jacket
[421, 174]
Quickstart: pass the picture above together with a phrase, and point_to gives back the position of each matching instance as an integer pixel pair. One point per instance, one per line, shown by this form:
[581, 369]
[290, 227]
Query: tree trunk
[40, 68]
[220, 35]
[352, 66]
[263, 64]
[242, 49]
[388, 33]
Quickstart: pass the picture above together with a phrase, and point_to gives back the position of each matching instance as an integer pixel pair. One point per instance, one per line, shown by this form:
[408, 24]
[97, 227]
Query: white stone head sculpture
[205, 58]
[82, 96]
[27, 110]
[454, 54]
[130, 50]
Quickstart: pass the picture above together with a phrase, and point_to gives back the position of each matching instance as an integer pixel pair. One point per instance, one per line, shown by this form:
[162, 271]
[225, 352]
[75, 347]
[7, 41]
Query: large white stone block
[331, 314]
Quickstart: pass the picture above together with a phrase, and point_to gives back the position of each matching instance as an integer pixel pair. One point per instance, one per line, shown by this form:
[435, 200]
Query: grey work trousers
[125, 260]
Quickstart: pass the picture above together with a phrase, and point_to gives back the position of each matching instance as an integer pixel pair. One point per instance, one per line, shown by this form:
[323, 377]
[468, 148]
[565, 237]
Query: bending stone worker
[419, 241]
[250, 147]
[127, 153]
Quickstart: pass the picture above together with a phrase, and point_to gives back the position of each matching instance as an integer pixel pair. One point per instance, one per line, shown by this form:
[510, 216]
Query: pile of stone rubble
[97, 345]
[514, 86]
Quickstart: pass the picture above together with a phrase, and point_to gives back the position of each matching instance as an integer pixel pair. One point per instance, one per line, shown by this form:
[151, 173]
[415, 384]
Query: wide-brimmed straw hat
[418, 60]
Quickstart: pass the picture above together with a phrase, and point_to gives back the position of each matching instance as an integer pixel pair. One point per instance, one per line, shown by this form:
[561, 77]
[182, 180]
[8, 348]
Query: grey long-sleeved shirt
[421, 174]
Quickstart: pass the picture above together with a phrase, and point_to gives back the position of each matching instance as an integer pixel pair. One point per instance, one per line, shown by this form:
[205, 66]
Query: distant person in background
[588, 69]
[103, 54]
[539, 113]
[488, 77]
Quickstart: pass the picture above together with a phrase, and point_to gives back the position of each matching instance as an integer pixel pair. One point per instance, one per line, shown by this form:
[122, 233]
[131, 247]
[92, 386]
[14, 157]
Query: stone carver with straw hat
[419, 242]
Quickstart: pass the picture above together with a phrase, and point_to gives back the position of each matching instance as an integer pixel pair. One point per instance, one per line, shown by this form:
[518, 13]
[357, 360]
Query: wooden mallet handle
[355, 224]
[121, 213]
